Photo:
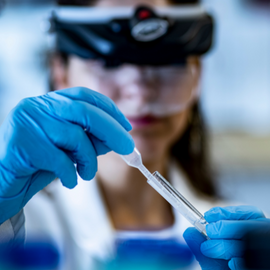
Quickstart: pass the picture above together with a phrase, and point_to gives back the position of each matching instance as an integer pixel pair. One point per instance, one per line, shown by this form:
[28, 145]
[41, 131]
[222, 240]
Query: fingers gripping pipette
[168, 192]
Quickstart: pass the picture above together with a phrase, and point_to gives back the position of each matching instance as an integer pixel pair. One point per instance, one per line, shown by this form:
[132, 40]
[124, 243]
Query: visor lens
[139, 91]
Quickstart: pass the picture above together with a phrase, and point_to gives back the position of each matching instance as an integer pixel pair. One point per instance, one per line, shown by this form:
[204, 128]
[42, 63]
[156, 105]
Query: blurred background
[235, 86]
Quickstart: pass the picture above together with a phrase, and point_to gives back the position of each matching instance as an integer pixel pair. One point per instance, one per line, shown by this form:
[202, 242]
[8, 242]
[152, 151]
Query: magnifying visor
[158, 39]
[142, 35]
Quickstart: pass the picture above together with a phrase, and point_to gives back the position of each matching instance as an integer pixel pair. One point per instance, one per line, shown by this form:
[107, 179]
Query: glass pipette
[168, 192]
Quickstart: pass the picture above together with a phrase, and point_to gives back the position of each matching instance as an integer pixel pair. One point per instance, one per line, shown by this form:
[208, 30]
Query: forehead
[111, 3]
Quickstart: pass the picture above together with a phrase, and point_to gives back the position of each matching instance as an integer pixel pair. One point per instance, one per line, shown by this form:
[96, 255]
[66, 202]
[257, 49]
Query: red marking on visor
[144, 14]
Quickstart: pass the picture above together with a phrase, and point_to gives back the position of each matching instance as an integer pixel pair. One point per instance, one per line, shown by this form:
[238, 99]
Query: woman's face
[144, 94]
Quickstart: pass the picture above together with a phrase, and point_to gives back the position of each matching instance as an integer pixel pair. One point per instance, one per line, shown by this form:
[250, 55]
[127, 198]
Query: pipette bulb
[134, 159]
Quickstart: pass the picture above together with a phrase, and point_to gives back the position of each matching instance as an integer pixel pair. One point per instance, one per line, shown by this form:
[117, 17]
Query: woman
[122, 206]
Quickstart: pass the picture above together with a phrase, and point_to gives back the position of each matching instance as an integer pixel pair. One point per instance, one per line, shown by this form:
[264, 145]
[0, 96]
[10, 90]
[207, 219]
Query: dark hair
[192, 153]
[191, 150]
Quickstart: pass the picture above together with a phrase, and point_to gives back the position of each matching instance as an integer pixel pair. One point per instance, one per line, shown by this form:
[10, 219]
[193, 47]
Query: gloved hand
[227, 228]
[44, 136]
[194, 240]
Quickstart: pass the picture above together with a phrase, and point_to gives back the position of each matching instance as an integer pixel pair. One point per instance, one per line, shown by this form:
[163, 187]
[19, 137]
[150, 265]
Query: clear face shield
[173, 90]
[141, 91]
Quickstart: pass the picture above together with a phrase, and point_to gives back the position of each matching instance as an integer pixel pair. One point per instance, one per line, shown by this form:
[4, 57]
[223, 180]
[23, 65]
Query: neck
[116, 175]
[131, 202]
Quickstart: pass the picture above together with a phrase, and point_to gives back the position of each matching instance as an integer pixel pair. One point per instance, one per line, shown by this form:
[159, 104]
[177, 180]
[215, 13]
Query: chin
[151, 149]
[154, 140]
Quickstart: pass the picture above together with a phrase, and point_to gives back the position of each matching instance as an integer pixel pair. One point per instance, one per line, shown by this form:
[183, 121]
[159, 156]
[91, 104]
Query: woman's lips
[143, 121]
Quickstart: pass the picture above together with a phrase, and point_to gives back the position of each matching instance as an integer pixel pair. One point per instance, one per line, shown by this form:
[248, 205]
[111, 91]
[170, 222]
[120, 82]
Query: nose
[137, 82]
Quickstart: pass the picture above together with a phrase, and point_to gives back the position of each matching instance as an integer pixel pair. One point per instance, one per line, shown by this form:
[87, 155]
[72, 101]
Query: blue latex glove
[226, 229]
[44, 136]
[194, 240]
